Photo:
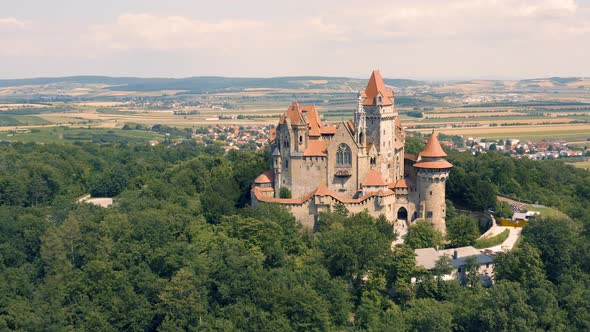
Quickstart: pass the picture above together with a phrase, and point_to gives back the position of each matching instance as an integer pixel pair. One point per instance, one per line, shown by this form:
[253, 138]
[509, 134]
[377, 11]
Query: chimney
[455, 254]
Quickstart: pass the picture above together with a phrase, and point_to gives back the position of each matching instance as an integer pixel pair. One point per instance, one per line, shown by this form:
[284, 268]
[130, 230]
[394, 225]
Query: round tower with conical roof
[432, 173]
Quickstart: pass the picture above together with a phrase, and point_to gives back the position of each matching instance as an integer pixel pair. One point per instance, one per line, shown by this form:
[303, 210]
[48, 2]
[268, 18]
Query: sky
[419, 39]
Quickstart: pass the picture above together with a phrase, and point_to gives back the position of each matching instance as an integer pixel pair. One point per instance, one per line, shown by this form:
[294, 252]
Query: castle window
[429, 214]
[300, 139]
[343, 155]
[286, 164]
[431, 193]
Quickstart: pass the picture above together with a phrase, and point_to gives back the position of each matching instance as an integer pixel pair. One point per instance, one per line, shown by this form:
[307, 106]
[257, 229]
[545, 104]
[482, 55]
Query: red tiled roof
[313, 120]
[373, 179]
[433, 164]
[401, 183]
[374, 87]
[293, 113]
[433, 148]
[409, 156]
[316, 149]
[265, 177]
[328, 130]
[321, 190]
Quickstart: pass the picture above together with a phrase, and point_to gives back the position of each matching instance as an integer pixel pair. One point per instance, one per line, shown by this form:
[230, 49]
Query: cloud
[13, 22]
[419, 38]
[175, 32]
[470, 19]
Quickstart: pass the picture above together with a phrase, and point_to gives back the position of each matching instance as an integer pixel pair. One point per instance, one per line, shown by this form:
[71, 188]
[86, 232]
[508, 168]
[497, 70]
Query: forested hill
[181, 250]
[203, 84]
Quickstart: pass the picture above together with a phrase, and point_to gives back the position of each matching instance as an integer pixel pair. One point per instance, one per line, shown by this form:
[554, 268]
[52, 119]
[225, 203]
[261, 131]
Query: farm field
[553, 109]
[72, 135]
[582, 164]
[569, 132]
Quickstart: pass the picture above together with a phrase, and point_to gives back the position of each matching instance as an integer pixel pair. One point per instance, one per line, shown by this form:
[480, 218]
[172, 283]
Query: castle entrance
[402, 214]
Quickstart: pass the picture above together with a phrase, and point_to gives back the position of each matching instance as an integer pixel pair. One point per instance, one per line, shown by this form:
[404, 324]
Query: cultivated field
[582, 164]
[553, 109]
[569, 132]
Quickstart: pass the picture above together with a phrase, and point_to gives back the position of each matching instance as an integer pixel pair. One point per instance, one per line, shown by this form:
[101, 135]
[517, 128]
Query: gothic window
[343, 155]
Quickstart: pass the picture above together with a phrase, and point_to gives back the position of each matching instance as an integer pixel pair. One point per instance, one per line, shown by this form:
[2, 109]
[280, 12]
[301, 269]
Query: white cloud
[14, 22]
[480, 19]
[420, 38]
[175, 32]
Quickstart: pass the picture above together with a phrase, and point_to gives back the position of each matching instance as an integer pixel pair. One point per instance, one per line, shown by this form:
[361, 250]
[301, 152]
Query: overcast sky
[430, 39]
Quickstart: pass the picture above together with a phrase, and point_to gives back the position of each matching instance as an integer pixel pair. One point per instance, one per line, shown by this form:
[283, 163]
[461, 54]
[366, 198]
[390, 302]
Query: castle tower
[360, 125]
[432, 174]
[378, 103]
[300, 128]
[276, 167]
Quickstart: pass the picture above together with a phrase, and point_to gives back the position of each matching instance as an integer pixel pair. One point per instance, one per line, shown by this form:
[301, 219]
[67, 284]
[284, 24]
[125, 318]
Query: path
[507, 245]
[401, 227]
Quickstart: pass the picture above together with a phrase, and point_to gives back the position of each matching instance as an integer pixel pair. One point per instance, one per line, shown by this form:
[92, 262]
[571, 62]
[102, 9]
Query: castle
[360, 164]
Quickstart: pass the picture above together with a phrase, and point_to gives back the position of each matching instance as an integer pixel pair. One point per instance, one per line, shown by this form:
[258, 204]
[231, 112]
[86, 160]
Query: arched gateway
[402, 214]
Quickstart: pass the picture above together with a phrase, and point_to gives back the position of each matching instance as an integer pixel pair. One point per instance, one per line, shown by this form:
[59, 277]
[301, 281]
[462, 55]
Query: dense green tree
[182, 304]
[423, 235]
[361, 244]
[378, 313]
[522, 265]
[462, 231]
[506, 309]
[178, 250]
[428, 315]
[503, 209]
[557, 240]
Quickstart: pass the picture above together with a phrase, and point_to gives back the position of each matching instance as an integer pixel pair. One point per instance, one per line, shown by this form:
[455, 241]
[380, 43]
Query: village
[255, 137]
[542, 150]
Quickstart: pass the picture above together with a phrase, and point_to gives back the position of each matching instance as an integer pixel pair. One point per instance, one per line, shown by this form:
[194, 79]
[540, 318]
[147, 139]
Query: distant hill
[202, 84]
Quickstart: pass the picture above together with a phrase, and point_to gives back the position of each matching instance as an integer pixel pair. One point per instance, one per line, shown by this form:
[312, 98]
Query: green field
[72, 135]
[546, 212]
[21, 120]
[582, 164]
[487, 242]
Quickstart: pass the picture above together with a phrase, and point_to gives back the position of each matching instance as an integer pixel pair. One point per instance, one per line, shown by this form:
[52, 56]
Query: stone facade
[359, 163]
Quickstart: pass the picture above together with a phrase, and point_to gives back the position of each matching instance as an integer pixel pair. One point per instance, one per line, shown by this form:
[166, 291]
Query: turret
[276, 167]
[360, 124]
[432, 173]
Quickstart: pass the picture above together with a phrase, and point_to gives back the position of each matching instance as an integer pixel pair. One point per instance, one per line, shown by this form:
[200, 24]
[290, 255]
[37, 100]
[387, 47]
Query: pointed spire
[433, 148]
[376, 87]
